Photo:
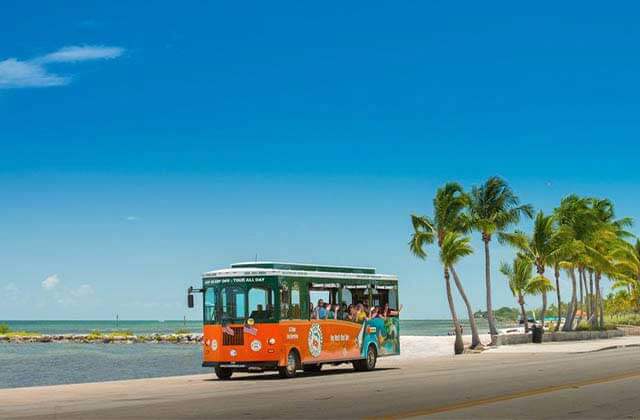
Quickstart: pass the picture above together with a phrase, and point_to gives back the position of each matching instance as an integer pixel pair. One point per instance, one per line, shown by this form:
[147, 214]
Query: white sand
[414, 346]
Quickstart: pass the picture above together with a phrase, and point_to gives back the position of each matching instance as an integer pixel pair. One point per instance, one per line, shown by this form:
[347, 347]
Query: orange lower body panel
[317, 341]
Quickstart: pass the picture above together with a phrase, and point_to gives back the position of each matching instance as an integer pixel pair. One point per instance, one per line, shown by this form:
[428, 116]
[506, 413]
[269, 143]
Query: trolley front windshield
[235, 302]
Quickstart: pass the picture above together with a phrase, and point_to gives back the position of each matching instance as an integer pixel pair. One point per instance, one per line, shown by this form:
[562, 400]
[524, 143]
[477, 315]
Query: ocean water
[428, 327]
[34, 364]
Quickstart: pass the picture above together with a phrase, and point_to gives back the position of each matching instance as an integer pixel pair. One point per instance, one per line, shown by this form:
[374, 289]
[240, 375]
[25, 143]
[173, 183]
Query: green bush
[121, 333]
[583, 326]
[95, 335]
[624, 319]
[4, 329]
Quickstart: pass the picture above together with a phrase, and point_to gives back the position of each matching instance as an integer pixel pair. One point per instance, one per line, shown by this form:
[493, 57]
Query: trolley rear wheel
[368, 363]
[223, 373]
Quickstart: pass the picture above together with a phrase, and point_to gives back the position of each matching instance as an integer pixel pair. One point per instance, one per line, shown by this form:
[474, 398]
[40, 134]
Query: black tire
[312, 368]
[369, 363]
[223, 373]
[290, 370]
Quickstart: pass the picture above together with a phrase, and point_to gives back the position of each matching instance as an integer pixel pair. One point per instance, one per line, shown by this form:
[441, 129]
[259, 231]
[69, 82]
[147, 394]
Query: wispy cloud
[51, 282]
[77, 53]
[131, 218]
[20, 74]
[15, 73]
[65, 295]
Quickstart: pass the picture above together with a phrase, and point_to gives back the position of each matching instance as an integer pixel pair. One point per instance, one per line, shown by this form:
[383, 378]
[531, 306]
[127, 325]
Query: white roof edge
[251, 271]
[303, 264]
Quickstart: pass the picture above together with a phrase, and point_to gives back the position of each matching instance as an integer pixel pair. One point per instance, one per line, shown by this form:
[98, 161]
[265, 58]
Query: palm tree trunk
[544, 308]
[599, 303]
[475, 337]
[592, 300]
[458, 346]
[568, 323]
[543, 313]
[556, 272]
[580, 281]
[487, 278]
[523, 313]
[587, 303]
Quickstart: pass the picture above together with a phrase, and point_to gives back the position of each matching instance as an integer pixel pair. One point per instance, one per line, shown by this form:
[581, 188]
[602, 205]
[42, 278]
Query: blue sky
[144, 144]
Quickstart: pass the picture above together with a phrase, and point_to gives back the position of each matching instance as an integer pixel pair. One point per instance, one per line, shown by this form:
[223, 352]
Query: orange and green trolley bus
[258, 317]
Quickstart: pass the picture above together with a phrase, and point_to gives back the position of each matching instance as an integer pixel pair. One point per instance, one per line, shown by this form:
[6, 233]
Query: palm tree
[519, 275]
[575, 222]
[523, 283]
[602, 242]
[494, 207]
[454, 248]
[539, 248]
[448, 204]
[589, 225]
[627, 264]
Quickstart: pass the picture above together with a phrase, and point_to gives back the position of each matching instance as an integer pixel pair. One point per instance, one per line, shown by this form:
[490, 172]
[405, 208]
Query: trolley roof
[311, 271]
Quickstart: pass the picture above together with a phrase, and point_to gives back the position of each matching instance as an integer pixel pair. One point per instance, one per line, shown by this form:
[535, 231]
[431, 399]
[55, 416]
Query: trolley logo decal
[314, 340]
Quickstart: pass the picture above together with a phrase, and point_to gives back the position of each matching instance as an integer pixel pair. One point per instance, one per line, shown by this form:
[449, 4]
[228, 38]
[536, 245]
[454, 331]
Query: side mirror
[190, 300]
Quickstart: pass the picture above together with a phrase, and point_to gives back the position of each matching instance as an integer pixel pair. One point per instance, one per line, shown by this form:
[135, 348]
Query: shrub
[4, 329]
[121, 333]
[583, 326]
[95, 335]
[624, 319]
[183, 331]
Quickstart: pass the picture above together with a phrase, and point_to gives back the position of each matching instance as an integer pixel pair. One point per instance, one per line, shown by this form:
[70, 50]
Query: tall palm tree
[522, 282]
[575, 223]
[454, 248]
[602, 242]
[448, 204]
[519, 275]
[539, 248]
[494, 207]
[426, 233]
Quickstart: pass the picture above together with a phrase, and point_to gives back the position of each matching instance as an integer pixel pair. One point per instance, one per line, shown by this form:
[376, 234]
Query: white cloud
[83, 291]
[132, 218]
[81, 53]
[15, 73]
[51, 282]
[19, 74]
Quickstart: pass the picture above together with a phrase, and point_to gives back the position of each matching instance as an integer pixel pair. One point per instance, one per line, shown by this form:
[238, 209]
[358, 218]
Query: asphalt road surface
[603, 384]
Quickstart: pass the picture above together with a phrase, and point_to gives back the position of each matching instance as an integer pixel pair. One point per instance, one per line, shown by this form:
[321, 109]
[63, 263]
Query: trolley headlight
[272, 341]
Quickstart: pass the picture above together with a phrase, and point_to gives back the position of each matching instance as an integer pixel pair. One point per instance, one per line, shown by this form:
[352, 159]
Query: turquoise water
[408, 327]
[33, 364]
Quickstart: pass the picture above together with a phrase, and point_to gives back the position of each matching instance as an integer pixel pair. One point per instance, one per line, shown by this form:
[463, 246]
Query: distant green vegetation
[97, 335]
[6, 330]
[183, 331]
[502, 314]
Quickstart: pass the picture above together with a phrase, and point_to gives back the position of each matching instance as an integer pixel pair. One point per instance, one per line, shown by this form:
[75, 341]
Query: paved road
[603, 384]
